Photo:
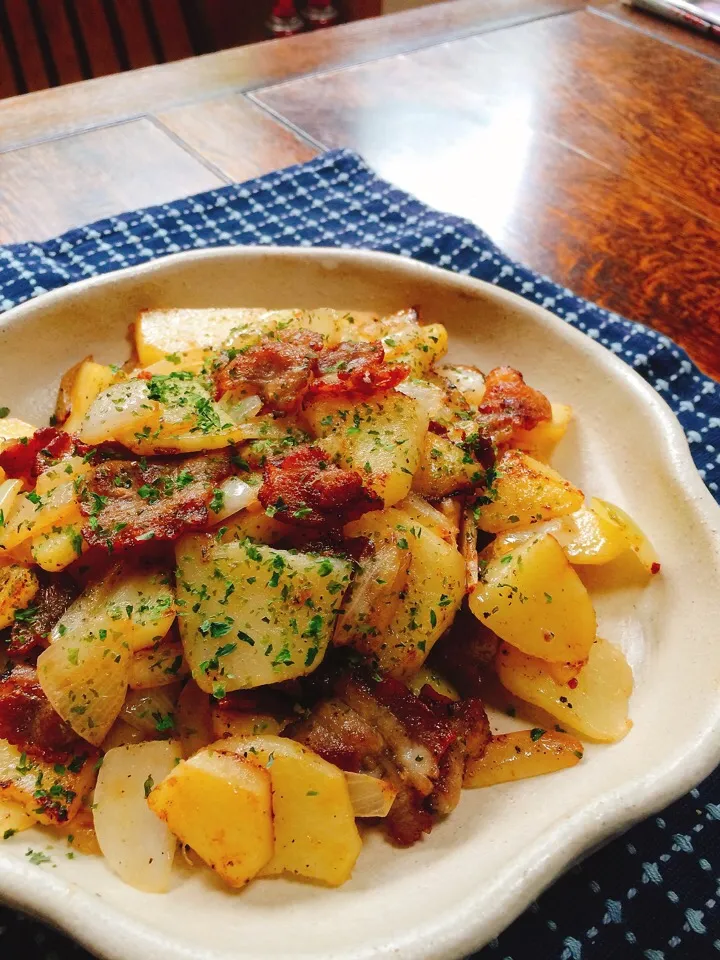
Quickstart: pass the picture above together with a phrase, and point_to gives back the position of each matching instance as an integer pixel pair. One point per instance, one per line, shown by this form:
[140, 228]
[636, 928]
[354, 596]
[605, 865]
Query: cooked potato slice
[542, 439]
[429, 677]
[595, 703]
[54, 504]
[636, 540]
[530, 596]
[522, 754]
[135, 601]
[525, 492]
[236, 723]
[427, 601]
[84, 675]
[48, 792]
[445, 468]
[382, 438]
[12, 429]
[406, 341]
[18, 586]
[58, 546]
[256, 525]
[315, 832]
[136, 844]
[88, 380]
[220, 805]
[159, 333]
[14, 819]
[236, 637]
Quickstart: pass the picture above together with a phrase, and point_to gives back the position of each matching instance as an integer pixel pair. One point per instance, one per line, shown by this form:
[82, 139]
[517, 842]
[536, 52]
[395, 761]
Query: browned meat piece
[509, 404]
[28, 721]
[465, 652]
[25, 461]
[307, 489]
[278, 369]
[420, 744]
[353, 367]
[32, 625]
[128, 502]
[338, 734]
[472, 731]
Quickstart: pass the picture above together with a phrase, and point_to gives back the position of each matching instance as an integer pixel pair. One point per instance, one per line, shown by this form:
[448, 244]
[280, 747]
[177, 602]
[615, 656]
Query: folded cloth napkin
[650, 894]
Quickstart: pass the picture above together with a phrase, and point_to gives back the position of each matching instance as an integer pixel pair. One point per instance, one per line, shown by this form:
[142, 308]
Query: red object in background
[320, 13]
[284, 20]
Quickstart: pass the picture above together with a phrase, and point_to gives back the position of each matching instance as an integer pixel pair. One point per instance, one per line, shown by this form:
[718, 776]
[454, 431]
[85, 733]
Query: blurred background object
[45, 43]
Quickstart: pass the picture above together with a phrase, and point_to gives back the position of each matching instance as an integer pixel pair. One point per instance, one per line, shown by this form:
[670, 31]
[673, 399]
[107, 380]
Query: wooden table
[585, 140]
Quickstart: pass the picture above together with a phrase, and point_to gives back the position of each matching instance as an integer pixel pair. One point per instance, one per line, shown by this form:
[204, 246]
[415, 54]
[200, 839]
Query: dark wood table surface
[584, 139]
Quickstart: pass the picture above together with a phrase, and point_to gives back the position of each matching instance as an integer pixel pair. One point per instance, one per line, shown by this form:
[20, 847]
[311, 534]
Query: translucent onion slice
[431, 397]
[193, 719]
[374, 598]
[469, 546]
[84, 675]
[468, 380]
[137, 845]
[151, 711]
[419, 509]
[9, 490]
[122, 408]
[237, 495]
[158, 666]
[370, 796]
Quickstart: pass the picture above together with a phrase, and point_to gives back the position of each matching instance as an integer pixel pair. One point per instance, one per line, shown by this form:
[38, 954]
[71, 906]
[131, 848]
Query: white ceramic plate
[451, 893]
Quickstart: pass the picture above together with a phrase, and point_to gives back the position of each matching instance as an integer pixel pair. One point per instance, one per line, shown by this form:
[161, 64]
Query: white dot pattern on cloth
[653, 894]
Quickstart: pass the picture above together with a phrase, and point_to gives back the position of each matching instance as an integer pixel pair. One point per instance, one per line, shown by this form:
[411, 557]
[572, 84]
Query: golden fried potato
[522, 754]
[595, 702]
[530, 596]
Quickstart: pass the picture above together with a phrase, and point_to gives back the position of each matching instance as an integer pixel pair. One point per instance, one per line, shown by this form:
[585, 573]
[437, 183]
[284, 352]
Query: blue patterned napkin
[651, 894]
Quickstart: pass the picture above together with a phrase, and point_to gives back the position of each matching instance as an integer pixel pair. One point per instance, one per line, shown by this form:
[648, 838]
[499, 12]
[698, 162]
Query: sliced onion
[468, 380]
[158, 666]
[419, 509]
[430, 397]
[124, 407]
[151, 711]
[137, 845]
[468, 546]
[193, 719]
[370, 796]
[237, 494]
[374, 598]
[121, 734]
[9, 489]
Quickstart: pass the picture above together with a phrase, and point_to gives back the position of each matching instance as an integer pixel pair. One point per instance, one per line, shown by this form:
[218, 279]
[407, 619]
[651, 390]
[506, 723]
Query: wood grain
[108, 99]
[237, 137]
[656, 27]
[21, 25]
[644, 108]
[51, 187]
[563, 182]
[96, 33]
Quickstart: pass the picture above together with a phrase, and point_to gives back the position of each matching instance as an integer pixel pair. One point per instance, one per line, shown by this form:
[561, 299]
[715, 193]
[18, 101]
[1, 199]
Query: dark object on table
[284, 20]
[319, 14]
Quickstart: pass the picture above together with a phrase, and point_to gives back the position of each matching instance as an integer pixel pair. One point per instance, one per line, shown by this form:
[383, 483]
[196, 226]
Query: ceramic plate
[481, 867]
